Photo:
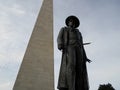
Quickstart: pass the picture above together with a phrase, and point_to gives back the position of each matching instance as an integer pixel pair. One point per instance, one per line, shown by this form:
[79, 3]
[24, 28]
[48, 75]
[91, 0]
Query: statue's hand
[89, 60]
[60, 47]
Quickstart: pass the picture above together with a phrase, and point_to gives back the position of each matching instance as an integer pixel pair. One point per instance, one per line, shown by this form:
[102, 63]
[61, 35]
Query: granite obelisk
[37, 68]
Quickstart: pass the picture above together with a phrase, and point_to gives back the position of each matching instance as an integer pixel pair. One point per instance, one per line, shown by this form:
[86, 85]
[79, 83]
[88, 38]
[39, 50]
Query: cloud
[6, 86]
[14, 34]
[17, 19]
[14, 9]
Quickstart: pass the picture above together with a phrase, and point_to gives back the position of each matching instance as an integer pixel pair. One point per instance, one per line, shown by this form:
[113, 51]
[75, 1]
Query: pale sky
[100, 24]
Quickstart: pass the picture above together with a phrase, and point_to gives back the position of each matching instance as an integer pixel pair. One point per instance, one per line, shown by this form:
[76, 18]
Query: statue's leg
[71, 64]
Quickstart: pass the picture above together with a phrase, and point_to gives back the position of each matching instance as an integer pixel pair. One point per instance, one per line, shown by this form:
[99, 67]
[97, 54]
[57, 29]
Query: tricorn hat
[74, 18]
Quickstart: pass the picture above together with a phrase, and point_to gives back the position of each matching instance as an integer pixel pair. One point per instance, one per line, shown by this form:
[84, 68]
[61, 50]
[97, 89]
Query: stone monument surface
[37, 68]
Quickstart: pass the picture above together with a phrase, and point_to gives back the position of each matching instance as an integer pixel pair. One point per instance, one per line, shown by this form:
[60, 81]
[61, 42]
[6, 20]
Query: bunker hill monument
[37, 68]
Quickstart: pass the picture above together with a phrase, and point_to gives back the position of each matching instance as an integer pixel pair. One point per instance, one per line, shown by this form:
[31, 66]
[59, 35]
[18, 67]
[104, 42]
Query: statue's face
[71, 23]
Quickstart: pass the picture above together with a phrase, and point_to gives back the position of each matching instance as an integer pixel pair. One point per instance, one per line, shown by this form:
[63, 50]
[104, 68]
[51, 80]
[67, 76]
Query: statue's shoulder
[64, 29]
[77, 30]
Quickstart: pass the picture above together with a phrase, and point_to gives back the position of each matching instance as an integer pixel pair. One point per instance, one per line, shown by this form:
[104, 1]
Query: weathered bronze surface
[73, 71]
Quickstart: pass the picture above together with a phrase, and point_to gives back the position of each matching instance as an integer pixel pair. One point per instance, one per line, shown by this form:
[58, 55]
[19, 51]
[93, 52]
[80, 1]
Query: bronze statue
[73, 71]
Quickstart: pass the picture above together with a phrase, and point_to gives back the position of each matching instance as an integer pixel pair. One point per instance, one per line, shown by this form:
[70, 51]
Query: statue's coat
[73, 70]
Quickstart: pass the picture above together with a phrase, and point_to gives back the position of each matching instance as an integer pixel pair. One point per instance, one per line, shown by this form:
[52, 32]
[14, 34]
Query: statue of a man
[73, 71]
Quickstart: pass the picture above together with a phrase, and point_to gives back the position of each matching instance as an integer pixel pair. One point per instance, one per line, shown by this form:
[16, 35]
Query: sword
[87, 43]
